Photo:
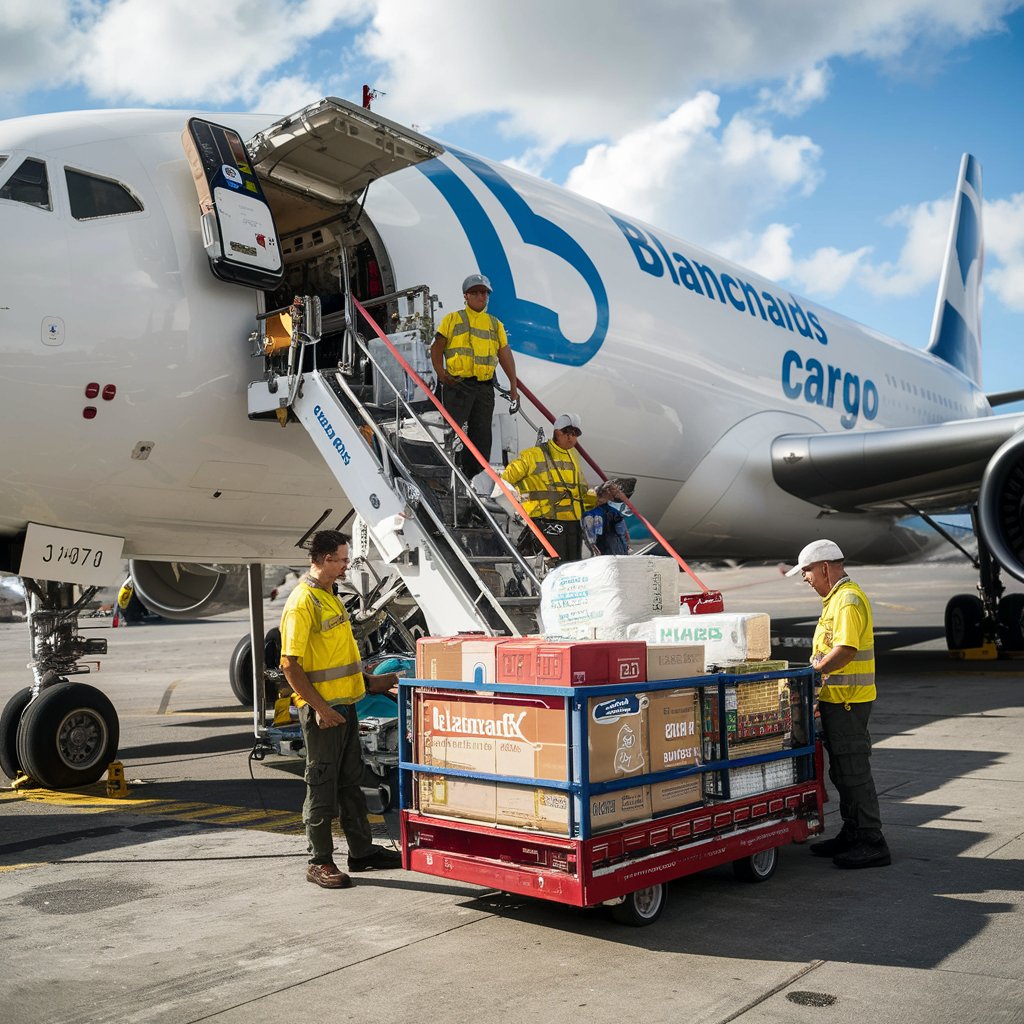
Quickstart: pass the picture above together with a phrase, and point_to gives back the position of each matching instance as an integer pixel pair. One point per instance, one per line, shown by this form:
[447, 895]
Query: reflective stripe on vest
[559, 499]
[323, 674]
[852, 675]
[477, 358]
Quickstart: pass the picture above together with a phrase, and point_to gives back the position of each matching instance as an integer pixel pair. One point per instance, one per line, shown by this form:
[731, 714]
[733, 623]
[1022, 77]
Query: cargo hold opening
[315, 167]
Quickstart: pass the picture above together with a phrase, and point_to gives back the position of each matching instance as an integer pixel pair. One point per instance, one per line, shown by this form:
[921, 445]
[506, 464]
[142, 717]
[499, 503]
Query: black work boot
[865, 853]
[840, 843]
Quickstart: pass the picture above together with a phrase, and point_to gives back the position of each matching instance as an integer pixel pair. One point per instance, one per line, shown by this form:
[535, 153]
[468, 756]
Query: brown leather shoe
[327, 876]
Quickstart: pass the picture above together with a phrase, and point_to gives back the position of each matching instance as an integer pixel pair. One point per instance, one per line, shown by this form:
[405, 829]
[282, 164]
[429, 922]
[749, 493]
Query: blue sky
[816, 141]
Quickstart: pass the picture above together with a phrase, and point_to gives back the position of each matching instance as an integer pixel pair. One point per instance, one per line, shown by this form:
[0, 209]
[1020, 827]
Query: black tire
[758, 867]
[240, 667]
[965, 622]
[67, 736]
[1011, 622]
[642, 907]
[10, 718]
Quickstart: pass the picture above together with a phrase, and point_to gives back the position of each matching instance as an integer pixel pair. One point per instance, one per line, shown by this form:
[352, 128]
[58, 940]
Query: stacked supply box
[440, 657]
[758, 720]
[578, 663]
[726, 637]
[674, 725]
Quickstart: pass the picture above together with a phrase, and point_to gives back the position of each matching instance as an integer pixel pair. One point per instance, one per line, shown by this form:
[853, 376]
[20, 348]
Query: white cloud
[799, 91]
[664, 172]
[1004, 242]
[920, 258]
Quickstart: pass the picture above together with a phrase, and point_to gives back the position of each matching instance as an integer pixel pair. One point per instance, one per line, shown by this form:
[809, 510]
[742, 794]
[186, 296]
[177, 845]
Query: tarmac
[186, 901]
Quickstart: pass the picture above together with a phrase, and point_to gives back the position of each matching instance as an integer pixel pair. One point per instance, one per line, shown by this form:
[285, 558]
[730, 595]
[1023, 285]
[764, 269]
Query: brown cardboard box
[617, 734]
[674, 661]
[458, 798]
[534, 745]
[458, 733]
[611, 809]
[440, 657]
[676, 793]
[540, 810]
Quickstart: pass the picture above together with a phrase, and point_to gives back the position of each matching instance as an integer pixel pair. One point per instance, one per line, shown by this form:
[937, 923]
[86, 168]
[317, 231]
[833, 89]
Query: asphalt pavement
[187, 901]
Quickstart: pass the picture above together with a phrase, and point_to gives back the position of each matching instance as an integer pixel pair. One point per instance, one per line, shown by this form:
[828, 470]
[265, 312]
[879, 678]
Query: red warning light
[92, 389]
[89, 412]
[109, 390]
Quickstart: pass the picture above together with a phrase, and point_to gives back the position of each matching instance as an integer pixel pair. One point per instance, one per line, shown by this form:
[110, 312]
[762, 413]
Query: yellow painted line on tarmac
[215, 814]
[20, 867]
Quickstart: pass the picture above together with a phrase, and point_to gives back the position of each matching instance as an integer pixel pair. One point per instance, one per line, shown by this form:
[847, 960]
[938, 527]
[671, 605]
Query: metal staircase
[425, 525]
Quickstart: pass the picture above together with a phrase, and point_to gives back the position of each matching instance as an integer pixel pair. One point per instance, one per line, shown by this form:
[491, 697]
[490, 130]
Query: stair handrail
[484, 463]
[600, 472]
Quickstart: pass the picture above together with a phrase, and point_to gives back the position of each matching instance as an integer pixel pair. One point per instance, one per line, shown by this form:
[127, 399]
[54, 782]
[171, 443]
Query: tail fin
[956, 327]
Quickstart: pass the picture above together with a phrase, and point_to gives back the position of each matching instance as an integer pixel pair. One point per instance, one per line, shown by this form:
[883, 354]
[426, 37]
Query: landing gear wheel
[10, 717]
[965, 618]
[641, 907]
[758, 867]
[240, 667]
[67, 736]
[1011, 622]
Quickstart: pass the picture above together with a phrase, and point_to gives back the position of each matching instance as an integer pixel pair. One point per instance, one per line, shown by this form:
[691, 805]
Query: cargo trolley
[745, 804]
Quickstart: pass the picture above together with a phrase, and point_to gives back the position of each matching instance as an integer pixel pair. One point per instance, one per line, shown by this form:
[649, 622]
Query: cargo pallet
[627, 867]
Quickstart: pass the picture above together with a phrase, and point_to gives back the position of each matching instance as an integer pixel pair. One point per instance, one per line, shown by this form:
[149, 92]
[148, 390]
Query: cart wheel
[641, 907]
[757, 868]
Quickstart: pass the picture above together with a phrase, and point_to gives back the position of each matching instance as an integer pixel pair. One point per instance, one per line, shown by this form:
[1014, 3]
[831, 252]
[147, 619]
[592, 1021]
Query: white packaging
[726, 636]
[598, 598]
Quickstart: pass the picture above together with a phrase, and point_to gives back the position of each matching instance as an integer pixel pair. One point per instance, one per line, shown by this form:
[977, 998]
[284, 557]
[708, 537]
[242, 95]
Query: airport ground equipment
[626, 868]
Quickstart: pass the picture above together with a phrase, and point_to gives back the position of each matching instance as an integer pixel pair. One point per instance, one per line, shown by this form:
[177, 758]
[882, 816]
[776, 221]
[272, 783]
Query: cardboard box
[576, 663]
[751, 779]
[535, 745]
[537, 809]
[440, 657]
[617, 734]
[458, 798]
[609, 810]
[459, 731]
[674, 661]
[478, 656]
[676, 794]
[674, 729]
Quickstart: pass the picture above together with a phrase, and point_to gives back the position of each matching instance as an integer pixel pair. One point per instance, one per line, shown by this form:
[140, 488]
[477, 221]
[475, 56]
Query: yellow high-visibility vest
[846, 621]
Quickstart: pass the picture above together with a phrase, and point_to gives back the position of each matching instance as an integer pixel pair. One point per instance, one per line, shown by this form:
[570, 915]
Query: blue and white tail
[956, 327]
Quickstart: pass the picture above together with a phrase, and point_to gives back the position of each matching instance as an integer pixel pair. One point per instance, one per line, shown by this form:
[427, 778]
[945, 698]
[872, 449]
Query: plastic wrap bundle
[727, 637]
[598, 598]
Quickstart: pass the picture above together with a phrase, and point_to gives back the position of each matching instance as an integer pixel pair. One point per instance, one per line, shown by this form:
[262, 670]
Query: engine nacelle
[189, 590]
[1001, 506]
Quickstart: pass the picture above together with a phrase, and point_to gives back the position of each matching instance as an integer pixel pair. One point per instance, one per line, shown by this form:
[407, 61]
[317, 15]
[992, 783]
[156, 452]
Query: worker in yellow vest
[469, 345]
[843, 651]
[553, 490]
[320, 659]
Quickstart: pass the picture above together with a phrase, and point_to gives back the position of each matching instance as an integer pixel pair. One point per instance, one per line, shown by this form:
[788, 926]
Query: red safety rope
[458, 430]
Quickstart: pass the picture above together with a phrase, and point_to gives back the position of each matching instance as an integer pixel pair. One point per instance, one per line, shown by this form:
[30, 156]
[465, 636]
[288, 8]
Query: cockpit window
[29, 184]
[93, 197]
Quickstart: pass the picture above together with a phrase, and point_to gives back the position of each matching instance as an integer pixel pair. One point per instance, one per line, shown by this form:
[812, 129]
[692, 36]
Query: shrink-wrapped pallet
[598, 598]
[726, 636]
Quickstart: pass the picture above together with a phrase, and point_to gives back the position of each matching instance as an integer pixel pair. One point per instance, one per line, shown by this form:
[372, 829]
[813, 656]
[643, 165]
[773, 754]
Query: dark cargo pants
[334, 770]
[471, 403]
[845, 732]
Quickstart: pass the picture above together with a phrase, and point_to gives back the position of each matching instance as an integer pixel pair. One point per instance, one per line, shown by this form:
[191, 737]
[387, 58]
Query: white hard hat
[817, 551]
[568, 419]
[475, 281]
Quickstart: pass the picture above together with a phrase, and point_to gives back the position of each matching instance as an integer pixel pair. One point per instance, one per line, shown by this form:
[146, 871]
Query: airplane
[151, 256]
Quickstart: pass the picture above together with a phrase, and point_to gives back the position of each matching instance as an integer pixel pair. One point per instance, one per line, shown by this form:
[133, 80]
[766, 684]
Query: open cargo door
[239, 233]
[325, 155]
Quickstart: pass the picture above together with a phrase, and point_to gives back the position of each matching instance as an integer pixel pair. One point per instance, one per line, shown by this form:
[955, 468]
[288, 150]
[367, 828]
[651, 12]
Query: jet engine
[189, 590]
[1001, 506]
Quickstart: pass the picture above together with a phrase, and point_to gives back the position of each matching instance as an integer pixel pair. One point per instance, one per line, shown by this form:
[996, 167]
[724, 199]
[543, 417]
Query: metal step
[519, 602]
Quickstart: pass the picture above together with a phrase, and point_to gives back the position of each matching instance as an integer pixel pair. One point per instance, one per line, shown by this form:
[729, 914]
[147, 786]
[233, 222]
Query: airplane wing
[936, 468]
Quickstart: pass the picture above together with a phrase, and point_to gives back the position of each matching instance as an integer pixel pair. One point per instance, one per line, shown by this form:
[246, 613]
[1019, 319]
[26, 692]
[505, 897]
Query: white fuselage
[683, 389]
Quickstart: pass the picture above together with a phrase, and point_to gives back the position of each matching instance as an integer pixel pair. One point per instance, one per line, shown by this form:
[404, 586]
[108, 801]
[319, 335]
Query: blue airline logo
[535, 328]
[810, 379]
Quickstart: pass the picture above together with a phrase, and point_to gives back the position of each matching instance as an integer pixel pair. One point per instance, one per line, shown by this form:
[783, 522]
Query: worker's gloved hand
[513, 406]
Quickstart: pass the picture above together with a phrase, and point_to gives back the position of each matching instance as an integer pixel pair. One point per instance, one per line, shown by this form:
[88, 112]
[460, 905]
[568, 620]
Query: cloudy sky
[816, 141]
